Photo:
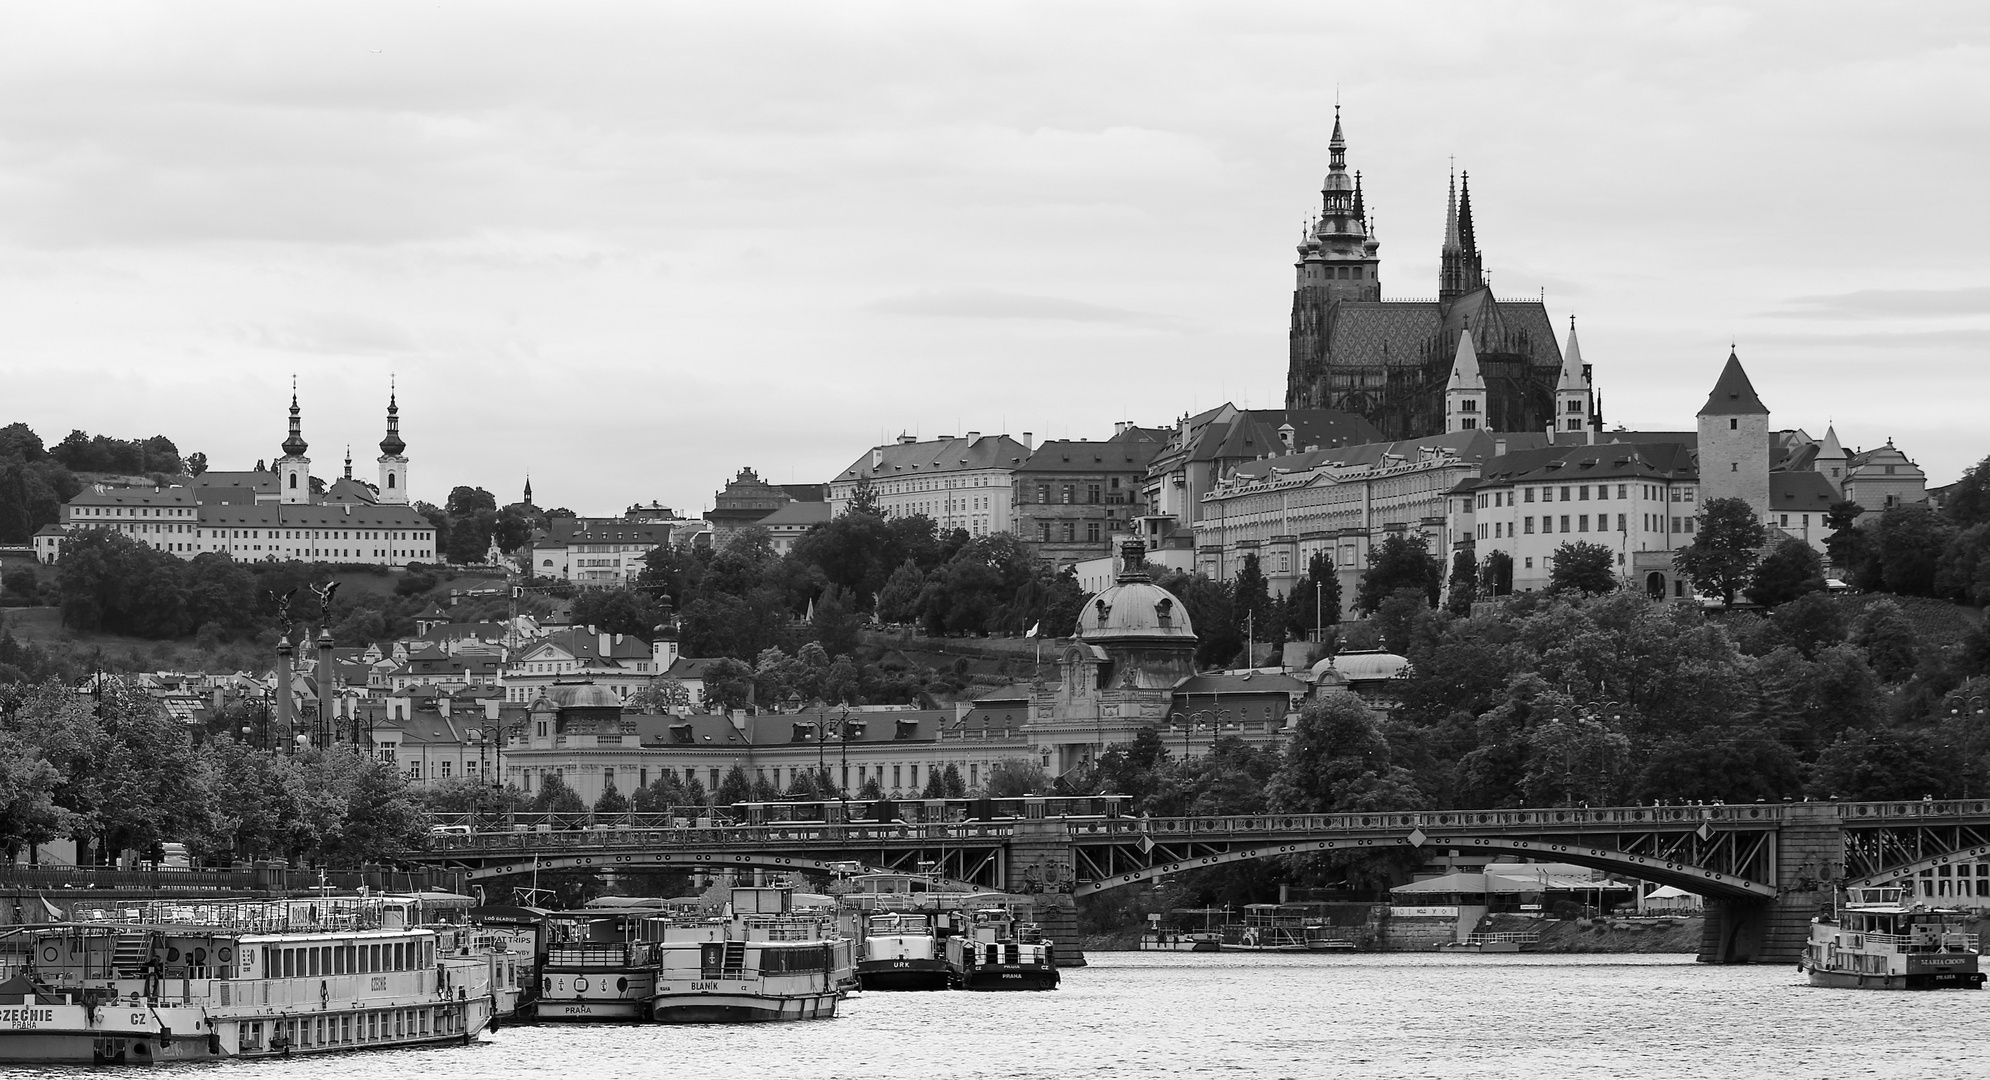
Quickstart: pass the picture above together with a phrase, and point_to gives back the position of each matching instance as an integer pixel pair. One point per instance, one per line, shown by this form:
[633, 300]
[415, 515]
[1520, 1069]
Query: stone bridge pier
[1040, 864]
[1810, 849]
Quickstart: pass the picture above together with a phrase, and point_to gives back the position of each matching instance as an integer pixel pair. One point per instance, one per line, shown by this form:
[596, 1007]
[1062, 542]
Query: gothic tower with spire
[393, 456]
[1574, 410]
[1391, 361]
[293, 469]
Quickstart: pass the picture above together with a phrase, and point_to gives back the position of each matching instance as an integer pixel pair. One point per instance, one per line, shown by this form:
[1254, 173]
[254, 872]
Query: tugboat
[149, 982]
[999, 953]
[761, 961]
[1876, 941]
[902, 951]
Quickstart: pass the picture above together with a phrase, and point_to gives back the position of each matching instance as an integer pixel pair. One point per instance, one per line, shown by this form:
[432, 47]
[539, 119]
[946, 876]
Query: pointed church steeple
[528, 489]
[1338, 254]
[392, 444]
[1573, 411]
[1460, 268]
[1465, 393]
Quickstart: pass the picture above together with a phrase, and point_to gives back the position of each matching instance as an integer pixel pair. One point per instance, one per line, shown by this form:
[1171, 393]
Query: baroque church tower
[1391, 361]
[393, 456]
[293, 469]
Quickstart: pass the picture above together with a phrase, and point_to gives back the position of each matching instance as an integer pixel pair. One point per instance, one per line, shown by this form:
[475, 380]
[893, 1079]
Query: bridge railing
[1913, 810]
[1525, 820]
[609, 837]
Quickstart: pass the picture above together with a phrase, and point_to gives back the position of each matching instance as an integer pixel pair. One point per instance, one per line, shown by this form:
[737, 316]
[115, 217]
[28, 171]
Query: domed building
[1132, 646]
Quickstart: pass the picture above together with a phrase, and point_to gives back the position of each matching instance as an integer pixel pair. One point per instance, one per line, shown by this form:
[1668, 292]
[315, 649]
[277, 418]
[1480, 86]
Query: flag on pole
[1034, 627]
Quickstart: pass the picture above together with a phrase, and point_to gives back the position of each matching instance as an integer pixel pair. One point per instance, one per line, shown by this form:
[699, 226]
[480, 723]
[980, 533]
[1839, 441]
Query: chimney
[1029, 441]
[1499, 447]
[603, 638]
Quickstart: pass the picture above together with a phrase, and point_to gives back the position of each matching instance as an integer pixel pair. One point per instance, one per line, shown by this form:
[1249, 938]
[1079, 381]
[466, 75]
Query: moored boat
[195, 980]
[1186, 930]
[762, 961]
[1876, 941]
[995, 951]
[902, 951]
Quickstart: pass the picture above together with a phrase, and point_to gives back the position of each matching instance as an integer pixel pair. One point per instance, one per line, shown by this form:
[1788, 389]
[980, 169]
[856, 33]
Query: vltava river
[1236, 1015]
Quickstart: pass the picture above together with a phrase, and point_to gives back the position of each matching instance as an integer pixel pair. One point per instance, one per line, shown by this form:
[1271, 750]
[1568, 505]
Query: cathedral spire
[1451, 217]
[1460, 269]
[1468, 239]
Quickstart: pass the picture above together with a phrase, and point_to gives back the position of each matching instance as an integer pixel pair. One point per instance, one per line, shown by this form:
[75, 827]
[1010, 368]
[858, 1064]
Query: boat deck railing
[1948, 942]
[1505, 937]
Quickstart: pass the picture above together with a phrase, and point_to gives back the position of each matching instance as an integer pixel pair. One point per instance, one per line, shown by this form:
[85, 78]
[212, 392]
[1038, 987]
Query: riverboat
[996, 951]
[761, 961]
[1186, 930]
[196, 980]
[1876, 941]
[902, 950]
[595, 967]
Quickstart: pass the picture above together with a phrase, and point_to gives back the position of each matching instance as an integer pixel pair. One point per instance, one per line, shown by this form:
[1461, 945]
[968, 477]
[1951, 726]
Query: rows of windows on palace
[251, 539]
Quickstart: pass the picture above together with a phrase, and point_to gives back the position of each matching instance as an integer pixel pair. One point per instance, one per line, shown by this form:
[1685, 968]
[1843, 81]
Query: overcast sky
[630, 248]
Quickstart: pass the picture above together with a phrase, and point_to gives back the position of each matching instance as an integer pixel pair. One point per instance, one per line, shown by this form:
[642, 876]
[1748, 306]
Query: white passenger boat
[160, 981]
[762, 960]
[1876, 941]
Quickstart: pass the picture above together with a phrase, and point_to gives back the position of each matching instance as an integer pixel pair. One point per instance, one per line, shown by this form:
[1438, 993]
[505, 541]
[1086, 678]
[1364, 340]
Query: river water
[1235, 1015]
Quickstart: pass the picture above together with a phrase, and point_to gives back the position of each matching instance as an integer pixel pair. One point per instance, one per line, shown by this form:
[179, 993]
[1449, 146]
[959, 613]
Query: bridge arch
[1644, 867]
[1972, 853]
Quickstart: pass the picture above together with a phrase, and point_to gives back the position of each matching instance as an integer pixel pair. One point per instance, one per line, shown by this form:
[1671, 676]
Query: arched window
[390, 480]
[293, 480]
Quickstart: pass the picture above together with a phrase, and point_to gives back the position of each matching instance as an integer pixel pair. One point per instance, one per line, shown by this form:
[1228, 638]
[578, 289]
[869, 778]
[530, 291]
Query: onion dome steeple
[392, 445]
[294, 445]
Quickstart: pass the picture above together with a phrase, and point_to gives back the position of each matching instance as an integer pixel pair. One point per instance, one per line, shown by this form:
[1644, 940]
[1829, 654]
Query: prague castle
[1388, 361]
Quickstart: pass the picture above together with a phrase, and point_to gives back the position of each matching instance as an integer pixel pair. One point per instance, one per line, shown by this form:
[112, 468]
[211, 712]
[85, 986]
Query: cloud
[990, 304]
[1889, 304]
[337, 332]
[1967, 336]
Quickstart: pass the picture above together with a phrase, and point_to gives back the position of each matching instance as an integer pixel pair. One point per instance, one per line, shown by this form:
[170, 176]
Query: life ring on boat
[49, 954]
[225, 954]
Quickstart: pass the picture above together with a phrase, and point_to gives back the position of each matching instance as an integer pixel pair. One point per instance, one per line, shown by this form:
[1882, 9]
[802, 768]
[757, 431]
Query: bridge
[1765, 868]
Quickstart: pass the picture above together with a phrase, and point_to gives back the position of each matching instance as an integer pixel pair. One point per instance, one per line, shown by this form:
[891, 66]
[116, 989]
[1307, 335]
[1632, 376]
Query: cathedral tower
[1460, 268]
[393, 457]
[1734, 441]
[293, 469]
[1573, 406]
[1338, 261]
[1465, 394]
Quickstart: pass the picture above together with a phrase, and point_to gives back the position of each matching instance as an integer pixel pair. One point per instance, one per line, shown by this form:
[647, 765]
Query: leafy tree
[1339, 762]
[1464, 583]
[951, 784]
[1011, 777]
[1908, 542]
[1314, 602]
[1209, 603]
[196, 463]
[617, 611]
[612, 801]
[1404, 620]
[935, 787]
[871, 791]
[1967, 502]
[864, 500]
[1496, 571]
[19, 443]
[1965, 567]
[1846, 547]
[1583, 567]
[29, 814]
[1403, 561]
[1791, 569]
[898, 601]
[1737, 766]
[1251, 602]
[1575, 760]
[1880, 765]
[555, 797]
[1888, 640]
[1721, 559]
[1812, 622]
[735, 788]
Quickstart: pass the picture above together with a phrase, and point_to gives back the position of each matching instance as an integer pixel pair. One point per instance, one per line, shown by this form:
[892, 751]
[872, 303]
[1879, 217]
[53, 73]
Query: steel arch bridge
[1767, 866]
